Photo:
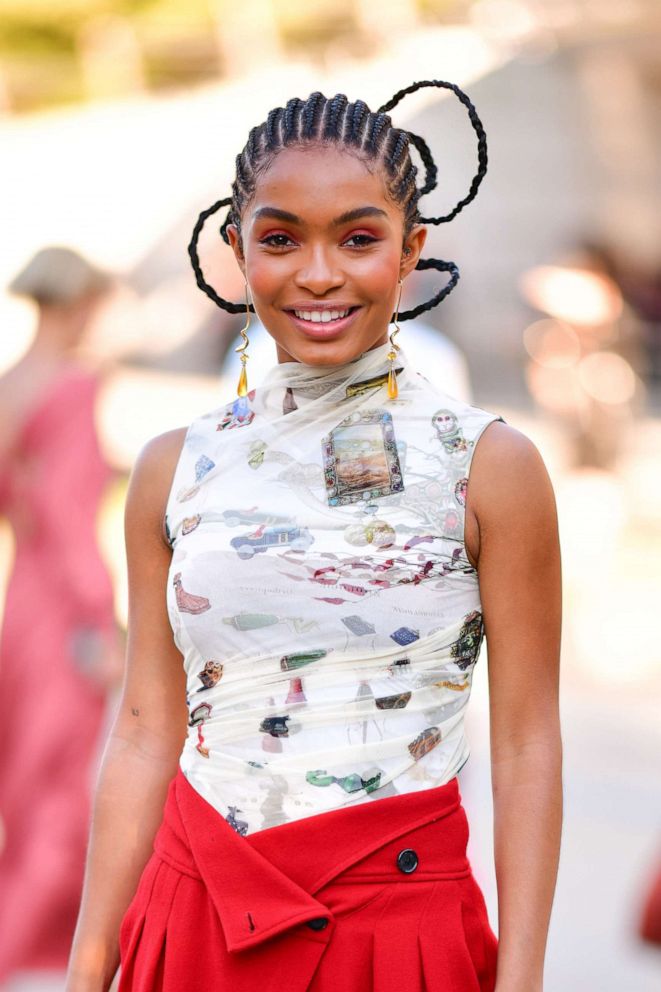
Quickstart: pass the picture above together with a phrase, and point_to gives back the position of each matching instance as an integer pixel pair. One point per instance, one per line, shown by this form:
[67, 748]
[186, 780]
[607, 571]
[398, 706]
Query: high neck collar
[289, 386]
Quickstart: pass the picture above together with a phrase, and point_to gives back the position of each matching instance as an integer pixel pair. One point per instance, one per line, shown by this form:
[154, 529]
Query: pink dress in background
[51, 711]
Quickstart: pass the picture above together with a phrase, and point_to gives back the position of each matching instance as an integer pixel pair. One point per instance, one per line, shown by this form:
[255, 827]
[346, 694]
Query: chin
[333, 352]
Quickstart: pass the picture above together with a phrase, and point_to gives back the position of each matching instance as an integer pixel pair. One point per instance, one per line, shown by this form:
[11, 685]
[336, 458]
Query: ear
[412, 249]
[235, 245]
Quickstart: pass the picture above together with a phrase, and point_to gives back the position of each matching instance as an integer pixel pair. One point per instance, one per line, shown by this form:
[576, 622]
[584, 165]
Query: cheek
[266, 278]
[377, 276]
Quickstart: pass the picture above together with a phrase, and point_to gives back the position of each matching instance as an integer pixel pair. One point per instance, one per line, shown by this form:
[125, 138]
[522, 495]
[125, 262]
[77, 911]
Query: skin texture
[511, 538]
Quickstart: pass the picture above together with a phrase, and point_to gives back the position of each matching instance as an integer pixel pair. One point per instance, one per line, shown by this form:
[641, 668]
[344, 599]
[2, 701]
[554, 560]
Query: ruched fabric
[379, 896]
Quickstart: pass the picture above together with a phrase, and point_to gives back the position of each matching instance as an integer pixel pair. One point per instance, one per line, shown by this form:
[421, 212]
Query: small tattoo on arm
[135, 711]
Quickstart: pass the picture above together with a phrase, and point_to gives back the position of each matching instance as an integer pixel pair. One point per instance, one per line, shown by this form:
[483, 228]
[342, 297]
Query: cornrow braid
[371, 134]
[355, 119]
[332, 116]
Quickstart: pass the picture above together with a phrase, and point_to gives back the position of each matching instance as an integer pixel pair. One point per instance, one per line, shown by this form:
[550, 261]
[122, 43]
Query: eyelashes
[279, 241]
[368, 239]
[270, 241]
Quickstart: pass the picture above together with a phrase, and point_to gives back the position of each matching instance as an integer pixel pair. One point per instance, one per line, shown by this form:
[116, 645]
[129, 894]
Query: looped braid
[319, 120]
[477, 127]
[195, 260]
[440, 266]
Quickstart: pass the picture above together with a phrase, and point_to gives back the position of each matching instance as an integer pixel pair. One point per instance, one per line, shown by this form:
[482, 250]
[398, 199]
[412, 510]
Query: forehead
[317, 183]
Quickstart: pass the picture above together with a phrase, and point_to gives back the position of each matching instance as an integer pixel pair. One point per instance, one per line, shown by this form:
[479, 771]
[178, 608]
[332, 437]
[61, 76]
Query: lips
[322, 322]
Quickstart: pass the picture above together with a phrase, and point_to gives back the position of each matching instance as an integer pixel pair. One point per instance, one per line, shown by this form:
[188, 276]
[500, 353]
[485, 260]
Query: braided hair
[319, 120]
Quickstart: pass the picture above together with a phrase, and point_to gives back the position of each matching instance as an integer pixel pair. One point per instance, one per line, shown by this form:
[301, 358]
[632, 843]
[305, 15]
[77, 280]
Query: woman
[320, 552]
[59, 648]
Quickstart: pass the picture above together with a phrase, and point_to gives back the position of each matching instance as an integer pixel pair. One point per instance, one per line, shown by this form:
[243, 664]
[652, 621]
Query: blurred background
[120, 121]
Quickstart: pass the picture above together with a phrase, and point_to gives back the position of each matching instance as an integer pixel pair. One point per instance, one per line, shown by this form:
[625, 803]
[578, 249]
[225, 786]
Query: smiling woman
[311, 549]
[316, 263]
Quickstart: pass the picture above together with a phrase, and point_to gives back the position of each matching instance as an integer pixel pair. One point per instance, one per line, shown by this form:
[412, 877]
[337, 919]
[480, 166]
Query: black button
[318, 923]
[407, 860]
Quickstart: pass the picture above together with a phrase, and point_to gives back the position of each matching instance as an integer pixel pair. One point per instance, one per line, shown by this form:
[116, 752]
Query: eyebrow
[274, 213]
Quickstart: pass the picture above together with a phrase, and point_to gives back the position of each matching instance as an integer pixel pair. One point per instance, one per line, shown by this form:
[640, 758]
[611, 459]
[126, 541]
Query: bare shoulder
[151, 480]
[508, 477]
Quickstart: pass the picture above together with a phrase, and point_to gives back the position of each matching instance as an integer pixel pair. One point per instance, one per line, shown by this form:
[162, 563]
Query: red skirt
[377, 896]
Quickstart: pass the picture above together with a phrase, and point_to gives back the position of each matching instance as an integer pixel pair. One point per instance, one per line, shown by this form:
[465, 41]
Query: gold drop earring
[394, 348]
[242, 388]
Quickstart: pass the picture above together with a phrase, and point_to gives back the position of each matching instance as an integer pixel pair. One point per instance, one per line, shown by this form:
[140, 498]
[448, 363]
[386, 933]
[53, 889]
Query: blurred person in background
[60, 646]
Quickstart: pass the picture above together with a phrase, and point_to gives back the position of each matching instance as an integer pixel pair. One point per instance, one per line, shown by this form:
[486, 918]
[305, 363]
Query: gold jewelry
[394, 348]
[242, 388]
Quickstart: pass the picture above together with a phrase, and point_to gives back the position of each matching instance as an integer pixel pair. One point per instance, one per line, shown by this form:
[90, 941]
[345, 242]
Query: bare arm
[148, 733]
[520, 587]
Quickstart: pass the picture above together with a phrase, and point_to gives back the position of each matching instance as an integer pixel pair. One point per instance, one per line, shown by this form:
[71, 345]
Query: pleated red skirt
[379, 896]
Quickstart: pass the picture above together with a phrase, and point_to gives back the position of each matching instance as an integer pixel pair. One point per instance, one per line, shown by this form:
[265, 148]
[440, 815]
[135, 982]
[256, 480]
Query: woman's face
[322, 250]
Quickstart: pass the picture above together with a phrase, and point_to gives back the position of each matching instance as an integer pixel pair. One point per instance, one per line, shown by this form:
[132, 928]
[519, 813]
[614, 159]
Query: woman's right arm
[141, 754]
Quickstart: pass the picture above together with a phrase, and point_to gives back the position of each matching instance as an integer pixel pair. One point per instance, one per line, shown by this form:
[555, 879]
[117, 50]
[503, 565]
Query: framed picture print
[360, 459]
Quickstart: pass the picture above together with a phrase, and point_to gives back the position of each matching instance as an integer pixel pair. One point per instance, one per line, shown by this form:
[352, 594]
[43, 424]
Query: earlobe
[412, 251]
[405, 264]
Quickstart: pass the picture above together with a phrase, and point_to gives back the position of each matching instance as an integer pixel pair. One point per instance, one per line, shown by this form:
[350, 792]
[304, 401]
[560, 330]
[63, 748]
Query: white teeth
[320, 316]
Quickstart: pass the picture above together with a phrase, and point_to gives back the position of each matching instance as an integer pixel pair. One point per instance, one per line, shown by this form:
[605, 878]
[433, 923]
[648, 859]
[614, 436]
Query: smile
[321, 316]
[322, 322]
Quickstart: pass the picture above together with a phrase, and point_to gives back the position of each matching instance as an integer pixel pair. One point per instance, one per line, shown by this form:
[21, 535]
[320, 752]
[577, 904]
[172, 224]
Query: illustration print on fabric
[349, 783]
[360, 459]
[239, 414]
[447, 427]
[197, 718]
[424, 742]
[467, 646]
[240, 826]
[188, 602]
[203, 466]
[189, 524]
[260, 540]
[210, 675]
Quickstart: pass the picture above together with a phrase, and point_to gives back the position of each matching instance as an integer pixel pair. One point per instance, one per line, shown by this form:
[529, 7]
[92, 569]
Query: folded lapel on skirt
[254, 899]
[264, 884]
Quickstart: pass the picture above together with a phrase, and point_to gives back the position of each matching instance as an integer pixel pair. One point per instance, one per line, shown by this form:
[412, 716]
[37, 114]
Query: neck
[296, 385]
[327, 355]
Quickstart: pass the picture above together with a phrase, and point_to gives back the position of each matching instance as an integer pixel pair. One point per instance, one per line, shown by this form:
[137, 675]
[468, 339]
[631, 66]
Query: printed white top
[319, 590]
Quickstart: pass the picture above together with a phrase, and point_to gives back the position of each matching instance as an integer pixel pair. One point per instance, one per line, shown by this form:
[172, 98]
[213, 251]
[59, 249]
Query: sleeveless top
[319, 590]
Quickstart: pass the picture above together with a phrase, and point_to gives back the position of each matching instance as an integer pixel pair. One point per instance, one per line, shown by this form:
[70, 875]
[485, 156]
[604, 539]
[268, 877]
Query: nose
[319, 272]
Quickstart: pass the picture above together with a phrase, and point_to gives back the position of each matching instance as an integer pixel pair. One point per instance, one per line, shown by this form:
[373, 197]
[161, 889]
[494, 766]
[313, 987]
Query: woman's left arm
[519, 575]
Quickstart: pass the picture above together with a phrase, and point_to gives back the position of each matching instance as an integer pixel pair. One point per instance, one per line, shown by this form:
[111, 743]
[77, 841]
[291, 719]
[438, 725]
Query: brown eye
[360, 240]
[276, 241]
